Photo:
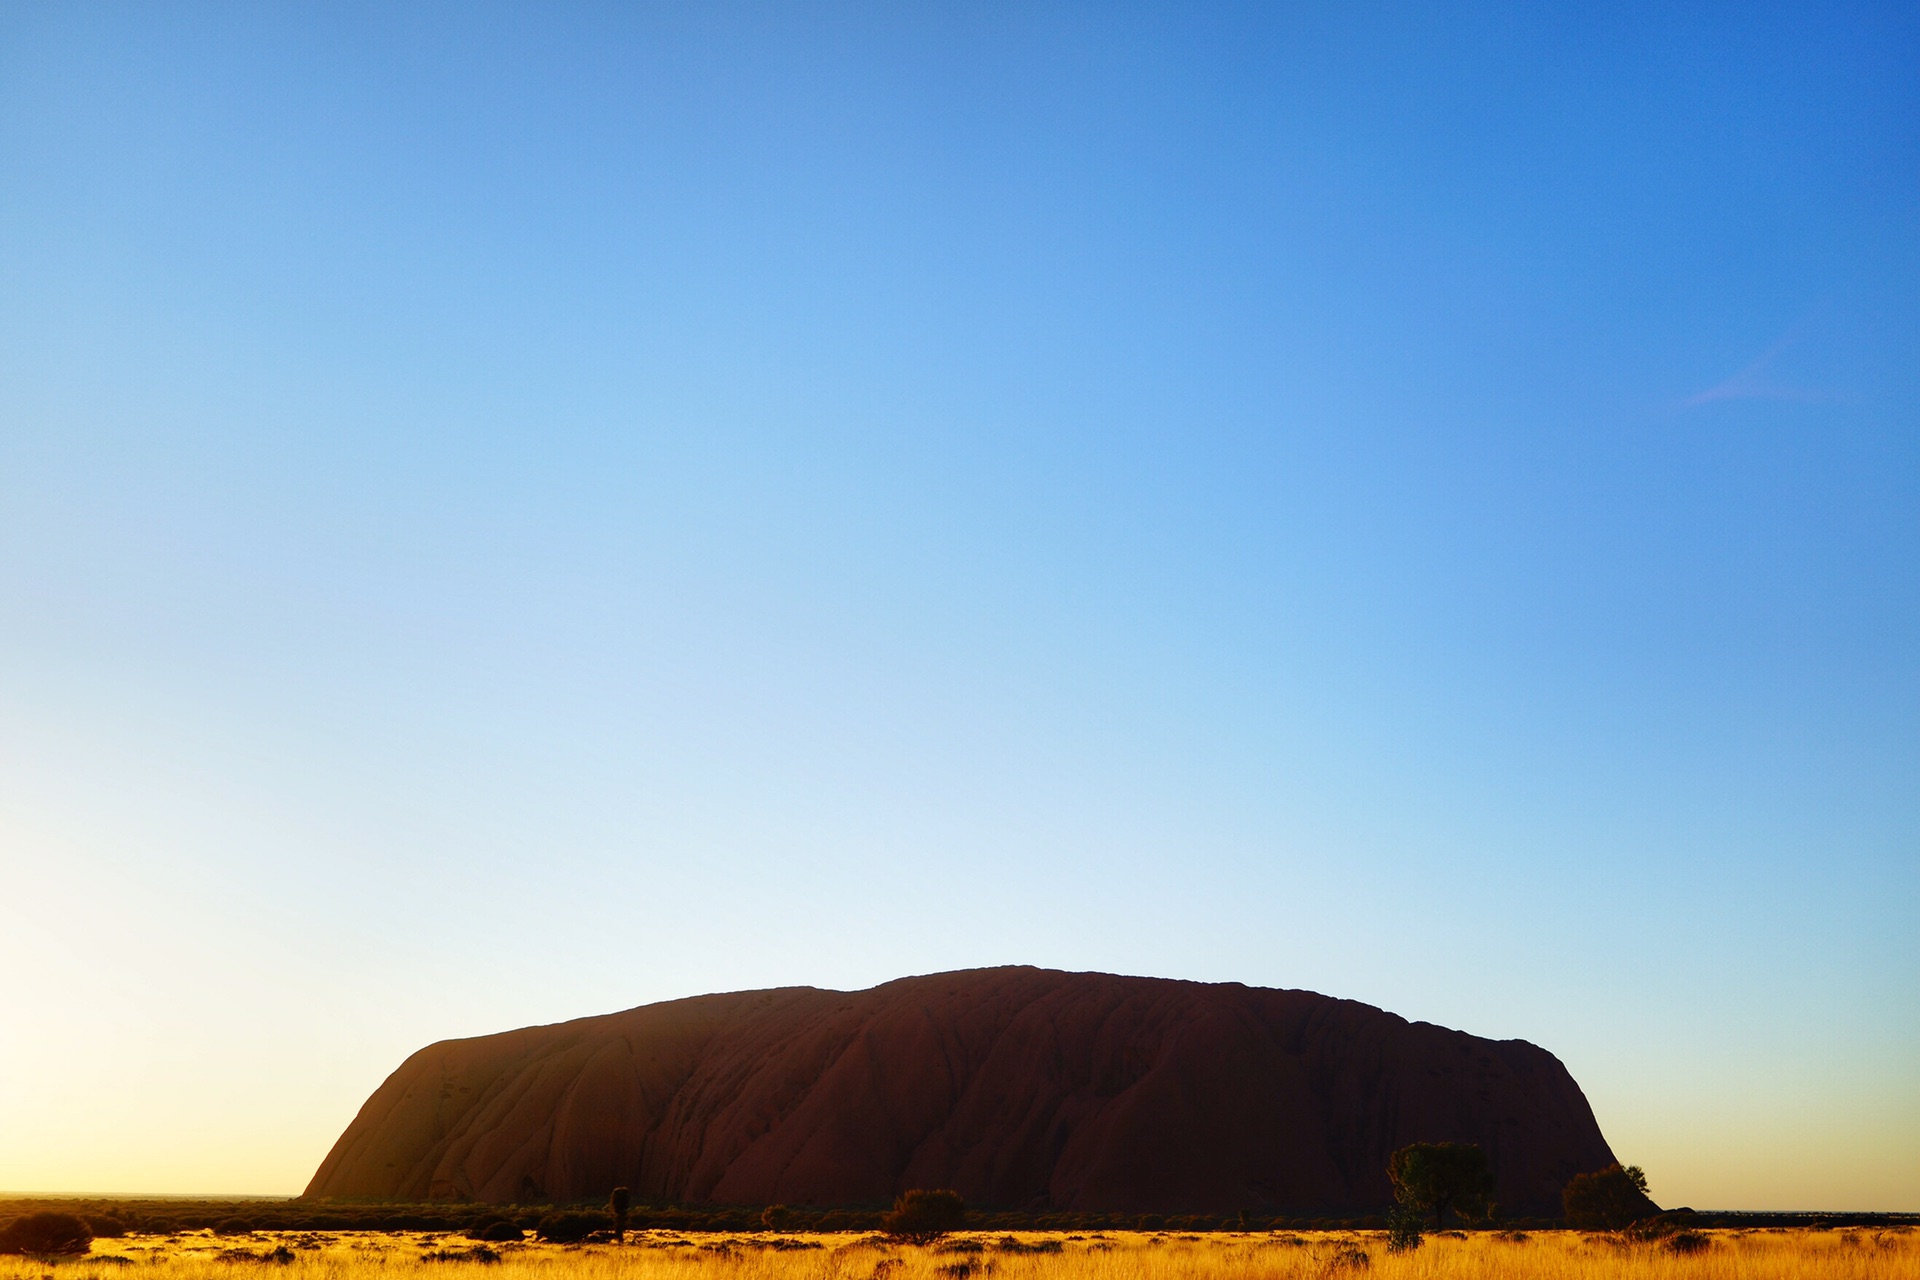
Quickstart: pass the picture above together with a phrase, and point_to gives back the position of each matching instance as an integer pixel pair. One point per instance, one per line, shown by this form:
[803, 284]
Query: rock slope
[1019, 1087]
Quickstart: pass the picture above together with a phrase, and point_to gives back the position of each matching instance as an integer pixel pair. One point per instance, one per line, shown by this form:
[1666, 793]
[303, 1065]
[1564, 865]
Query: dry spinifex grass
[1553, 1255]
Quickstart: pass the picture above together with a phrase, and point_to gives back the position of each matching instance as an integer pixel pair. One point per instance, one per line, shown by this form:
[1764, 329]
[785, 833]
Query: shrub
[479, 1253]
[233, 1227]
[1607, 1199]
[493, 1230]
[569, 1226]
[1661, 1226]
[1686, 1242]
[921, 1217]
[1403, 1229]
[47, 1233]
[1013, 1244]
[775, 1217]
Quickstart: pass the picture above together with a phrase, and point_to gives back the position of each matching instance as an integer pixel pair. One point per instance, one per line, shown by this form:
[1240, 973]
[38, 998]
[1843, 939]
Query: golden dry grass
[1119, 1255]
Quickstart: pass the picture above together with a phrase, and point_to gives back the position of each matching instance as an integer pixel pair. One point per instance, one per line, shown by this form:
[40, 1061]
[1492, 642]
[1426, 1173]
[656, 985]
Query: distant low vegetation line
[113, 1216]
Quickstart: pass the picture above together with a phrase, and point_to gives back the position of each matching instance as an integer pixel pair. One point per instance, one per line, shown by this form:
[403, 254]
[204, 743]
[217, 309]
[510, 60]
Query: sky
[516, 512]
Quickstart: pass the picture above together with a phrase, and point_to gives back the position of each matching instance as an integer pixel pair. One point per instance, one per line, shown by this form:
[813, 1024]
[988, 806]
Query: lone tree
[1433, 1177]
[1607, 1199]
[775, 1217]
[921, 1217]
[617, 1204]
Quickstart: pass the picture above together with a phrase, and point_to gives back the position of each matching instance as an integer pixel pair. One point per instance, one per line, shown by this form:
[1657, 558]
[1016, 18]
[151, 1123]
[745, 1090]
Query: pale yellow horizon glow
[256, 1118]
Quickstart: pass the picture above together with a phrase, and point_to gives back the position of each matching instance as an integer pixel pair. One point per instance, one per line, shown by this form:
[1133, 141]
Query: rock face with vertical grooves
[1018, 1087]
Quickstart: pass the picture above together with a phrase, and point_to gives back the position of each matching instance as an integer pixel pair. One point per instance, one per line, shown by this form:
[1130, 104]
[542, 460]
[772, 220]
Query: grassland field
[1759, 1254]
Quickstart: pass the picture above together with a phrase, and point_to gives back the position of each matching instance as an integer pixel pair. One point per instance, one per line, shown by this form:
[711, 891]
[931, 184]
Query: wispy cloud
[1753, 383]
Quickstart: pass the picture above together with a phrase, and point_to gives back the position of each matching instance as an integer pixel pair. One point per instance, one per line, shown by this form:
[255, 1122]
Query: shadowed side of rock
[1019, 1087]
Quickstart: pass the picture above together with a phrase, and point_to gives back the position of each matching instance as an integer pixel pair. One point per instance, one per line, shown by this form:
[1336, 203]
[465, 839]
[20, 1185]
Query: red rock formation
[1018, 1087]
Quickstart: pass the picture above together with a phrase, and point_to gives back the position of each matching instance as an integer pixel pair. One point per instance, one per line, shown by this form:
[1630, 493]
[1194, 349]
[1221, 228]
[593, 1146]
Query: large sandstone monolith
[1019, 1087]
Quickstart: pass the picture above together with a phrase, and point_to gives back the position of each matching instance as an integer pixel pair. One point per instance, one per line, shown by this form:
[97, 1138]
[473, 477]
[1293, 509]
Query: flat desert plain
[1759, 1254]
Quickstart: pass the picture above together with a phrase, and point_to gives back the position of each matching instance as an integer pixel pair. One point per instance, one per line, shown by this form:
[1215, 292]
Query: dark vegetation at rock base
[165, 1216]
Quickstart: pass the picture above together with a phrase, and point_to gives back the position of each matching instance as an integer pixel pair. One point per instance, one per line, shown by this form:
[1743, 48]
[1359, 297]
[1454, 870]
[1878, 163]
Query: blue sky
[516, 512]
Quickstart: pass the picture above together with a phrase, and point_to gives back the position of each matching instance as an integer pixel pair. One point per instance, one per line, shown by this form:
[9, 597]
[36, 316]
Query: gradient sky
[509, 513]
